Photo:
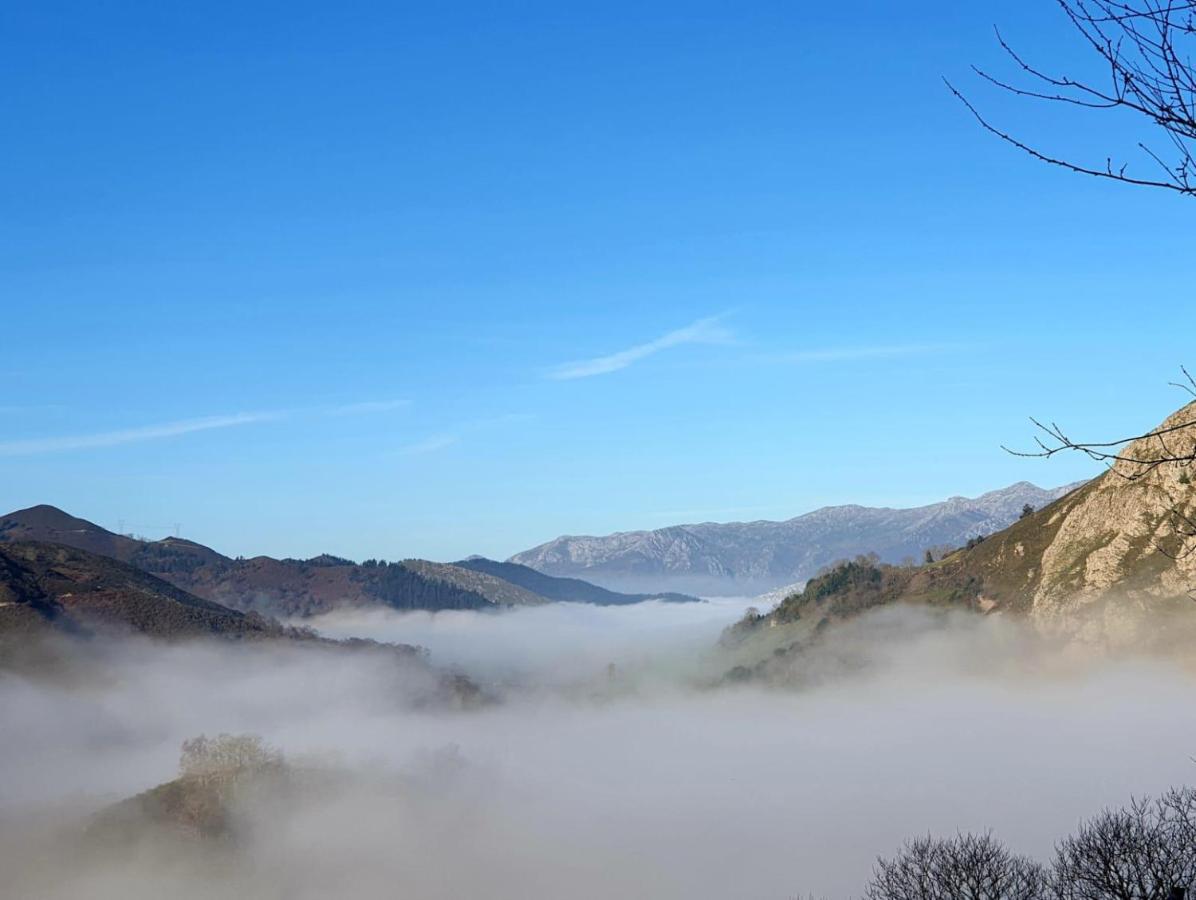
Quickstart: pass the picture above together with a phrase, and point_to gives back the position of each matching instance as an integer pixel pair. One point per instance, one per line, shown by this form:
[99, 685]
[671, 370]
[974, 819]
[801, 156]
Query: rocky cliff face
[1120, 550]
[748, 557]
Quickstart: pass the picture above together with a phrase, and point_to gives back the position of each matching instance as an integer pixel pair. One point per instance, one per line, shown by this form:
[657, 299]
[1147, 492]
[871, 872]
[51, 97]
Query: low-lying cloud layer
[585, 782]
[556, 644]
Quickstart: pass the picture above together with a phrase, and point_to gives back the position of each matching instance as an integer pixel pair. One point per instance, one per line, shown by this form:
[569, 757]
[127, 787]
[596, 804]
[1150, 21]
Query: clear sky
[407, 279]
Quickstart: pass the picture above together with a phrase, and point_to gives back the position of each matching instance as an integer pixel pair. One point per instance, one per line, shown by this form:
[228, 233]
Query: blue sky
[394, 280]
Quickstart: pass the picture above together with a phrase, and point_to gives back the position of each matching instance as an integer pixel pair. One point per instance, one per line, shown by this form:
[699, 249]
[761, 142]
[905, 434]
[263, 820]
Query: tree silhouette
[1145, 48]
[976, 867]
[1146, 851]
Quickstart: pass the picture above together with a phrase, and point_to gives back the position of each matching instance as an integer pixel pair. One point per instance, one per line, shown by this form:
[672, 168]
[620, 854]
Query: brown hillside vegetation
[63, 609]
[238, 820]
[1103, 564]
[290, 588]
[273, 587]
[496, 589]
[52, 587]
[214, 774]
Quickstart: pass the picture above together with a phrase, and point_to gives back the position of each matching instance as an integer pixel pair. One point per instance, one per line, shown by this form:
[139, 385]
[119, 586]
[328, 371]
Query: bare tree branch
[1139, 455]
[1145, 47]
[1109, 451]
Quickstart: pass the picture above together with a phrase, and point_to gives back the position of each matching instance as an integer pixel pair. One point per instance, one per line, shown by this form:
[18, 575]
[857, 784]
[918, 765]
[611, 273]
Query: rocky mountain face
[751, 557]
[1120, 549]
[1111, 563]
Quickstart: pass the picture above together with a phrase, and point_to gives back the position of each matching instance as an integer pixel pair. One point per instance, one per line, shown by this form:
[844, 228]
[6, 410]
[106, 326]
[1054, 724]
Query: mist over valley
[622, 451]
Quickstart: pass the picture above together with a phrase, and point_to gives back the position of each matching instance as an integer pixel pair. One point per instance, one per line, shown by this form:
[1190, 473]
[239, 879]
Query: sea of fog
[584, 781]
[556, 644]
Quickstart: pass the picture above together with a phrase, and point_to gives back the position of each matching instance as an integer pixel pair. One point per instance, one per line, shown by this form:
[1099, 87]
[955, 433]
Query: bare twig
[1145, 48]
[1139, 455]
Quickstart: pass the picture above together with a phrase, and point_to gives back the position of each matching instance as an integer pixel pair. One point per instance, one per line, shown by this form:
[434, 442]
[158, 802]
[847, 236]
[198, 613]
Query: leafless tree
[226, 753]
[1146, 851]
[1144, 48]
[965, 867]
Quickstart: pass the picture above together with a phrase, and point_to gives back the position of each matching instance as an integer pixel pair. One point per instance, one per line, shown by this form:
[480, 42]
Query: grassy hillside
[1104, 563]
[1000, 571]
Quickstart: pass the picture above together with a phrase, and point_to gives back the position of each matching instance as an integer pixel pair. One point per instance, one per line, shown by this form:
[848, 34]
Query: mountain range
[289, 588]
[751, 557]
[629, 567]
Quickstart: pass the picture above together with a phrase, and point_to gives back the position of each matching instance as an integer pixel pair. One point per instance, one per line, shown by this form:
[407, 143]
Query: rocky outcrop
[1120, 554]
[1111, 563]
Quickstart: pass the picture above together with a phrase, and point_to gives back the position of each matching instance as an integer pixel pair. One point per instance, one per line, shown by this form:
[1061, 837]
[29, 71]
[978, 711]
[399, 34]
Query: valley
[417, 712]
[598, 451]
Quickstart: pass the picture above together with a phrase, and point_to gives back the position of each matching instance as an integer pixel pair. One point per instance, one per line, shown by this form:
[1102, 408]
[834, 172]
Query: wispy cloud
[703, 331]
[848, 354]
[163, 430]
[430, 444]
[131, 435]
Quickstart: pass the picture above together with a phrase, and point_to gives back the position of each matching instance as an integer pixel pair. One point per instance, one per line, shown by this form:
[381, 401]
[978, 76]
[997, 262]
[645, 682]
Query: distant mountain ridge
[563, 590]
[752, 557]
[285, 588]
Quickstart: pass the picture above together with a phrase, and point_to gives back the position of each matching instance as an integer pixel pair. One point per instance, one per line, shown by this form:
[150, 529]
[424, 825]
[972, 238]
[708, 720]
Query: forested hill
[289, 588]
[51, 587]
[565, 590]
[274, 587]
